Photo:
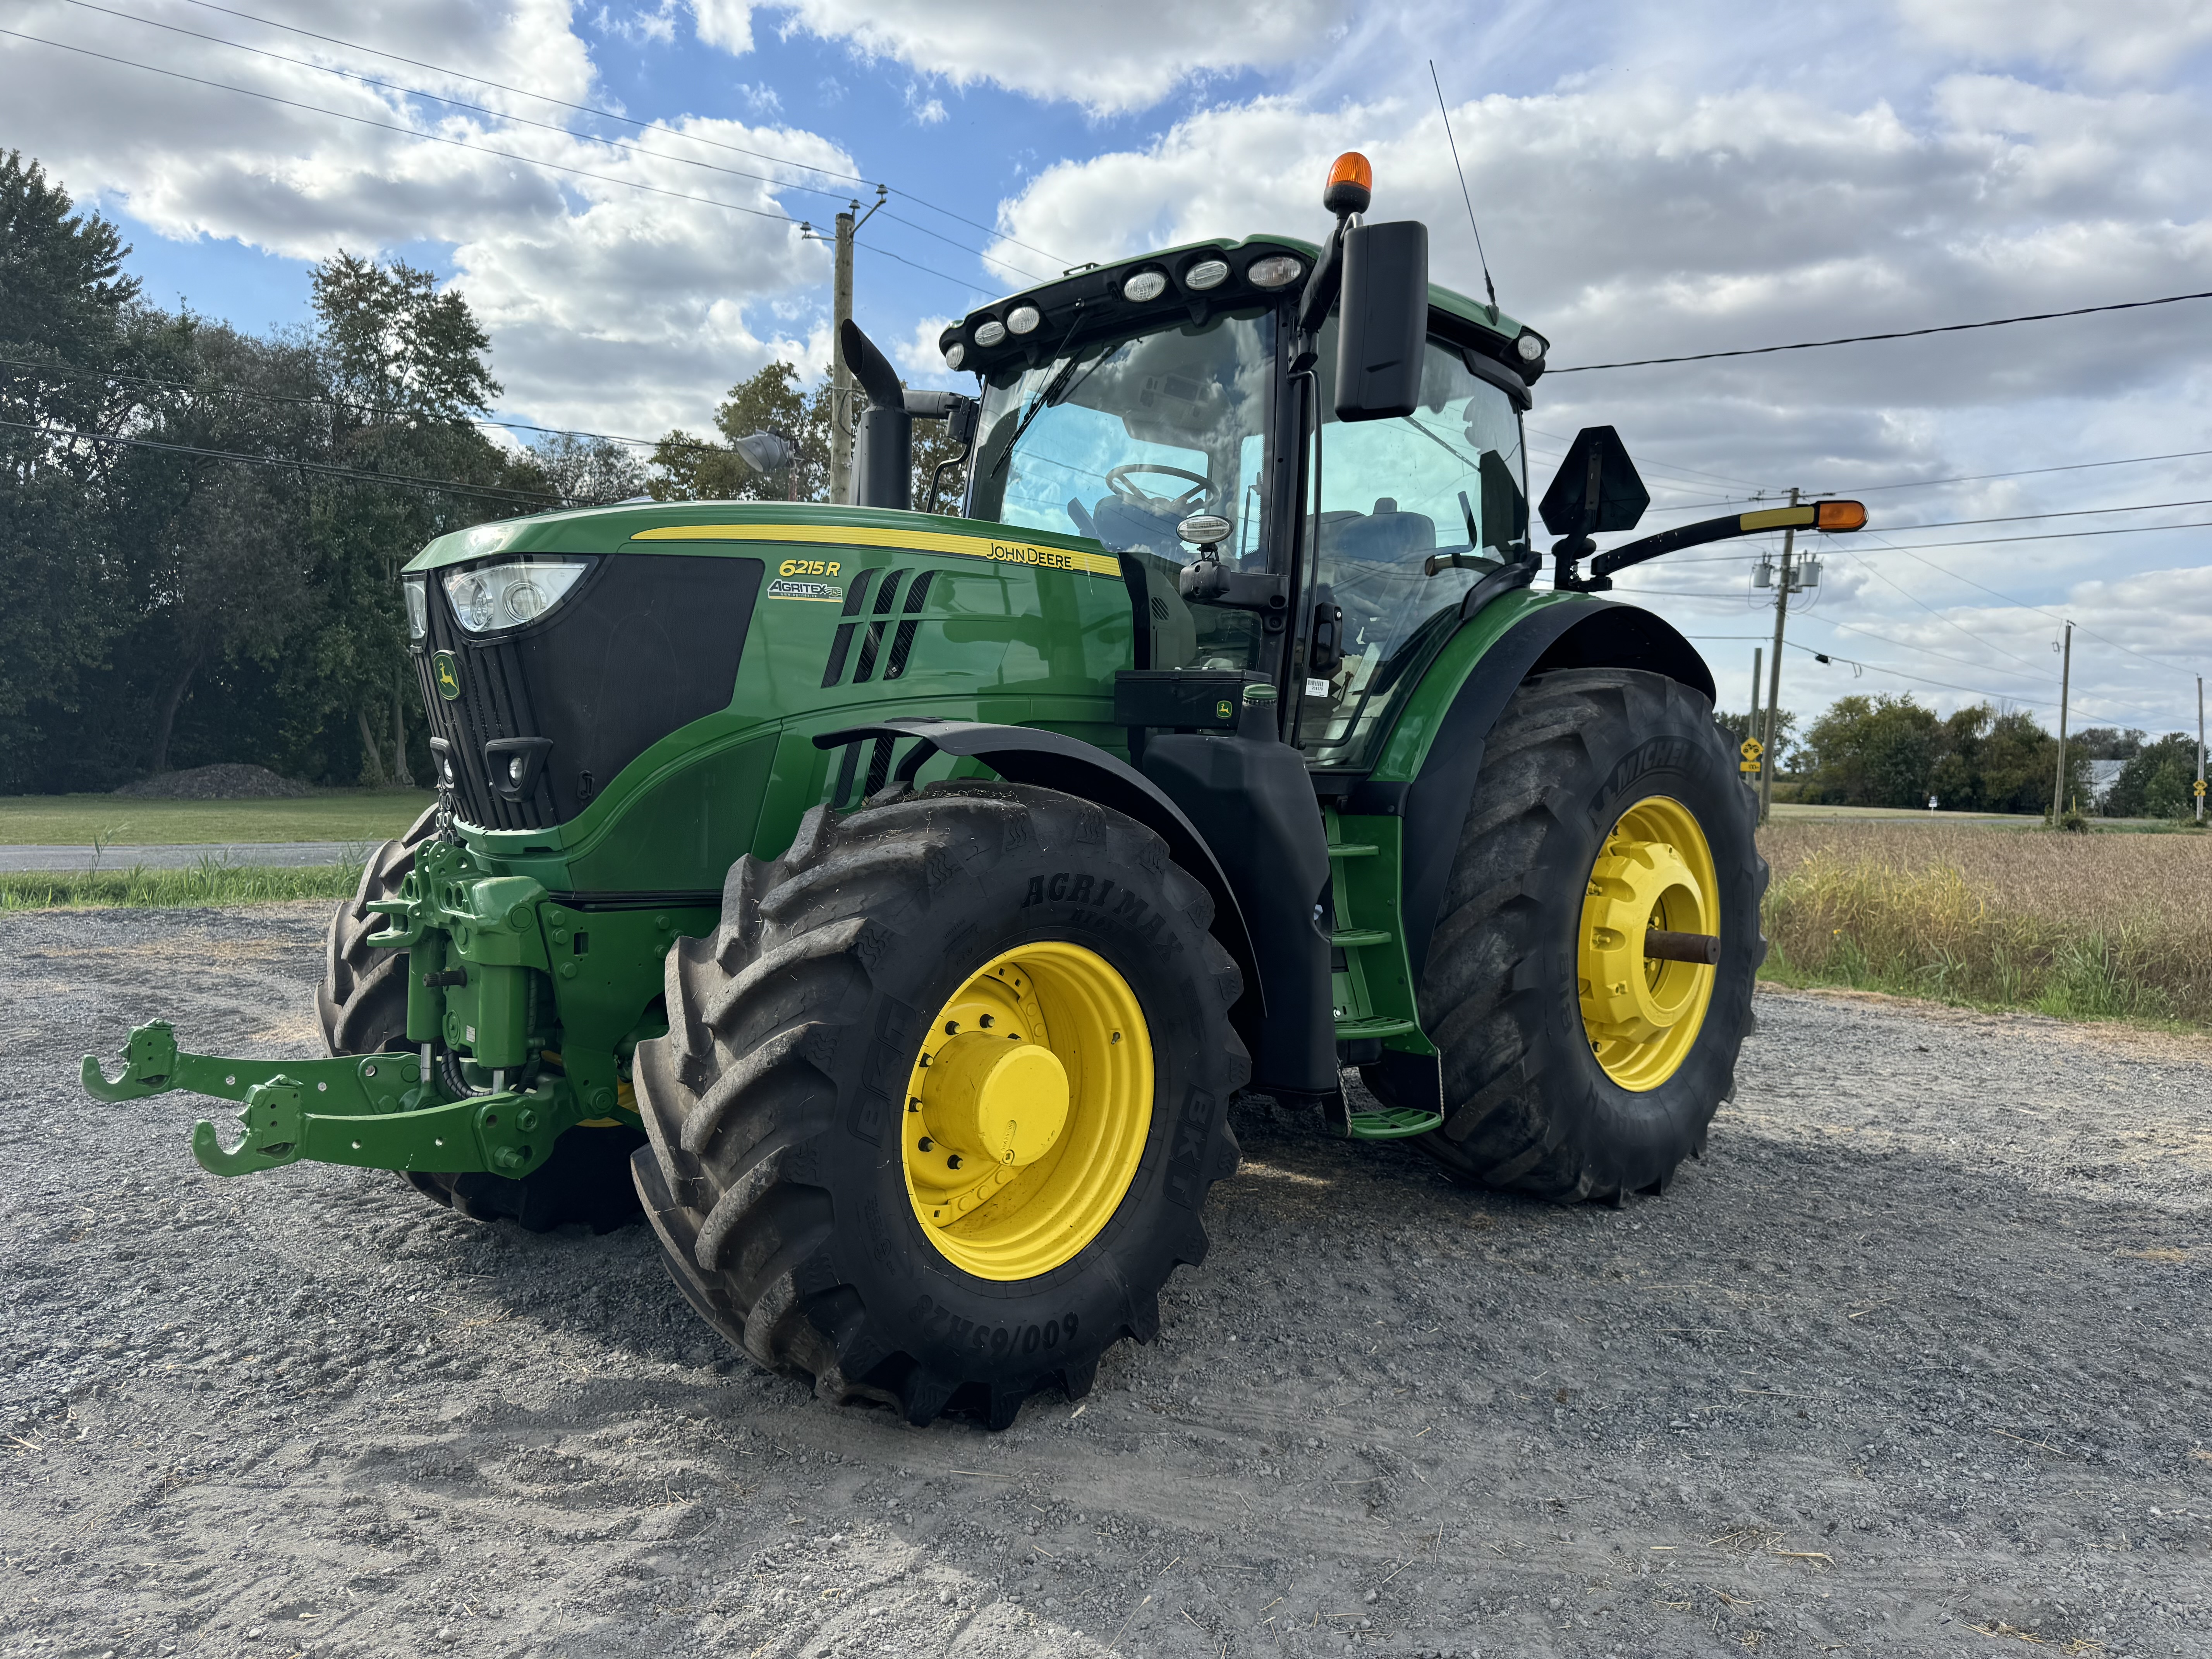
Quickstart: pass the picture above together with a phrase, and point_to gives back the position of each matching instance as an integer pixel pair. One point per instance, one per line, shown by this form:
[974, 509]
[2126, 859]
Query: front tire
[1575, 1067]
[805, 1169]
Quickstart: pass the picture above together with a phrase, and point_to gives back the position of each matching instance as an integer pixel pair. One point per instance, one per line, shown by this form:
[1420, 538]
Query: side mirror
[1383, 321]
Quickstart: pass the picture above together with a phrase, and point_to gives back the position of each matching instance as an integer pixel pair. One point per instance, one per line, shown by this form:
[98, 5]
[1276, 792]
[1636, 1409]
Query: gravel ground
[1913, 1363]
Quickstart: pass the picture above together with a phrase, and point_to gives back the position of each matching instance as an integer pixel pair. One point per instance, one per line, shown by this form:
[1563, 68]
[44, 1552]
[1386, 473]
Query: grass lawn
[341, 815]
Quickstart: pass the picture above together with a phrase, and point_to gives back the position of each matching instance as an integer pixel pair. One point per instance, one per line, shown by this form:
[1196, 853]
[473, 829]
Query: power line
[2010, 518]
[2048, 535]
[2030, 472]
[544, 126]
[410, 132]
[2163, 662]
[312, 401]
[404, 479]
[628, 120]
[1895, 334]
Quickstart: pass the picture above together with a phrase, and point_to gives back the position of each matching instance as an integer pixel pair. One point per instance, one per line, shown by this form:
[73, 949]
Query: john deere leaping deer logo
[448, 673]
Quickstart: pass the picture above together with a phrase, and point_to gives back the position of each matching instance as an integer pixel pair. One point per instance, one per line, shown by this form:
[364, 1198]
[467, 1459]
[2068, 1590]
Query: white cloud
[609, 306]
[1107, 58]
[2111, 39]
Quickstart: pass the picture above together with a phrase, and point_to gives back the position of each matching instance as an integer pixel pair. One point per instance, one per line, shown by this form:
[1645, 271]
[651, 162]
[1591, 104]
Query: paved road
[181, 856]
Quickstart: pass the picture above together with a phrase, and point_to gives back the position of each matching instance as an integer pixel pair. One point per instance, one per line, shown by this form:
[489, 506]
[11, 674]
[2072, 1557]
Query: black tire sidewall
[1017, 1332]
[1632, 1138]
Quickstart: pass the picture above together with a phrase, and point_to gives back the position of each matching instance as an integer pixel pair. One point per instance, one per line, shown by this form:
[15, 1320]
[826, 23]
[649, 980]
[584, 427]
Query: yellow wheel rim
[1643, 1014]
[1027, 1110]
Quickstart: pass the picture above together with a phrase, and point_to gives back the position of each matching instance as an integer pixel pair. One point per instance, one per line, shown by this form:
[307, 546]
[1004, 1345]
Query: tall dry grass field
[2097, 926]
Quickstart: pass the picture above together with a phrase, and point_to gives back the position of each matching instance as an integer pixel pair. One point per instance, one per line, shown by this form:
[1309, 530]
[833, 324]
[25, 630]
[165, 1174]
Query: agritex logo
[826, 593]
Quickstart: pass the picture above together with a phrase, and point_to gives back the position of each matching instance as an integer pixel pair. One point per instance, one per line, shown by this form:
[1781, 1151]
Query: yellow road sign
[1746, 766]
[1751, 748]
[2200, 786]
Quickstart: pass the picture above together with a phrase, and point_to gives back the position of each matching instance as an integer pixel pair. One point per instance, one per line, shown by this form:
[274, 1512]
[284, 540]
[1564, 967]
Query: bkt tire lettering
[997, 1340]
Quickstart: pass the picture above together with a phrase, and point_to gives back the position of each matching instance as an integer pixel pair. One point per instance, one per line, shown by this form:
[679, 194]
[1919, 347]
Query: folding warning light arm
[1833, 517]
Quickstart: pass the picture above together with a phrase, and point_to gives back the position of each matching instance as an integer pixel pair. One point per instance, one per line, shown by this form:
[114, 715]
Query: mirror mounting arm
[1566, 574]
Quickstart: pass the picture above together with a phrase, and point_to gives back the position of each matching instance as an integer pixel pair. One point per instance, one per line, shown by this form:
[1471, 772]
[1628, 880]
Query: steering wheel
[1117, 480]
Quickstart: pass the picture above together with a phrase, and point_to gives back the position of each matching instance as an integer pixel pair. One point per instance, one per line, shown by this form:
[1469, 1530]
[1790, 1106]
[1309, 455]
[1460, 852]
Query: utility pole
[841, 377]
[1758, 652]
[2200, 749]
[2065, 684]
[1774, 670]
[843, 418]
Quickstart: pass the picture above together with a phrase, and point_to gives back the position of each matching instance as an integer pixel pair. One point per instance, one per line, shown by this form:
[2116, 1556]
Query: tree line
[202, 529]
[1885, 751]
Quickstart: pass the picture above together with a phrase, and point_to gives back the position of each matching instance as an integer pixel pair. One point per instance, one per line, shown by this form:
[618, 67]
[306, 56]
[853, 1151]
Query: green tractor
[891, 903]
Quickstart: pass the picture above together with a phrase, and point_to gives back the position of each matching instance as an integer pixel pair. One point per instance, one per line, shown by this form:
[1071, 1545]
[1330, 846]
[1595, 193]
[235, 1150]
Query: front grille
[644, 643]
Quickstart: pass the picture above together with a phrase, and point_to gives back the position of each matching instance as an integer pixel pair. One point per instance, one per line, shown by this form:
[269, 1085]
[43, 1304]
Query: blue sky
[1712, 174]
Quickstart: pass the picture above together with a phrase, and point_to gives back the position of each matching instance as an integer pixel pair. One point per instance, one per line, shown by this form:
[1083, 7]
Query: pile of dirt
[231, 781]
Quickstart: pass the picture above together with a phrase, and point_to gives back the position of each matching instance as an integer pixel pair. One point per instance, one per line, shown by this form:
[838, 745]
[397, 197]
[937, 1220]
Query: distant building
[2103, 774]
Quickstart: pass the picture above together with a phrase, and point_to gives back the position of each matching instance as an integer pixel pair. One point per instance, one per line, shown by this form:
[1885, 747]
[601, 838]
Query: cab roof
[1094, 296]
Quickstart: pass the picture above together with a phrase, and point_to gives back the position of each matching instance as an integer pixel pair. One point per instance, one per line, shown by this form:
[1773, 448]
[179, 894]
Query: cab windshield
[1123, 439]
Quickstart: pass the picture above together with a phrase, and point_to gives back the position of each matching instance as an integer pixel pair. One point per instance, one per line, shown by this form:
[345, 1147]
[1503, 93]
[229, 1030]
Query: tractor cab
[1160, 401]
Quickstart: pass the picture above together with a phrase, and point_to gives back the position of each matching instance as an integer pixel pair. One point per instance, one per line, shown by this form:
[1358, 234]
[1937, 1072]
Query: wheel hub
[997, 1102]
[1027, 1110]
[1641, 1013]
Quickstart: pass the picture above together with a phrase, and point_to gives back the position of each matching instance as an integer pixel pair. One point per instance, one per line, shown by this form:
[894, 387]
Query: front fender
[1025, 754]
[1431, 761]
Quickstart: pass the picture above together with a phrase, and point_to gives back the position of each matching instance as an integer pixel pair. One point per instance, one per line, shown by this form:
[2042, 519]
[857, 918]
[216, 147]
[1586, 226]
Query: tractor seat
[1385, 536]
[1127, 528]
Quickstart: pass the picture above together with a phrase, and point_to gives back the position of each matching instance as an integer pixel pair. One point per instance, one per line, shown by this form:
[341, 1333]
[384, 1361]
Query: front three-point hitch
[374, 1111]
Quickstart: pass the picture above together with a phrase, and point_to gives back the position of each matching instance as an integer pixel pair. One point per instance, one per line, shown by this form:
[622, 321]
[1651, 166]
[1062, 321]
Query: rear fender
[1023, 753]
[1427, 774]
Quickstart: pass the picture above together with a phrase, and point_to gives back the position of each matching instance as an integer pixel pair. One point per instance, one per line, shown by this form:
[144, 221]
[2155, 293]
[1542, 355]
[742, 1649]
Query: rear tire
[778, 1174]
[362, 1005]
[1529, 1105]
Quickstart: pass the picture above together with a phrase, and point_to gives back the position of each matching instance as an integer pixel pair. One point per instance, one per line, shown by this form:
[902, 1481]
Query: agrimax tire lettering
[997, 1340]
[1096, 903]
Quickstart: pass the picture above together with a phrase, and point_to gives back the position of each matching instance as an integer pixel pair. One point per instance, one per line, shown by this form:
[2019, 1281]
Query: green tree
[1993, 762]
[2105, 742]
[701, 469]
[588, 471]
[1873, 751]
[2158, 781]
[64, 301]
[769, 400]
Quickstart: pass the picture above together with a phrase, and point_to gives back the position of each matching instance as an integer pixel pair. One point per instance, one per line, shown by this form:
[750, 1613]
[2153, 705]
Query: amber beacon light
[1351, 184]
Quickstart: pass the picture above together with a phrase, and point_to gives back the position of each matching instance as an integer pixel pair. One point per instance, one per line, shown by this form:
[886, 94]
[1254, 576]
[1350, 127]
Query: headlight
[512, 593]
[417, 590]
[1276, 271]
[1529, 347]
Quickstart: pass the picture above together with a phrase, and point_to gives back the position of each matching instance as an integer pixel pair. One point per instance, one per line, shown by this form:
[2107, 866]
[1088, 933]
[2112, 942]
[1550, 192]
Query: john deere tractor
[892, 903]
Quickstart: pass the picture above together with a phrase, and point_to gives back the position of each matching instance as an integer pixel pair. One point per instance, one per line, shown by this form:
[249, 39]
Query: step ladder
[1368, 994]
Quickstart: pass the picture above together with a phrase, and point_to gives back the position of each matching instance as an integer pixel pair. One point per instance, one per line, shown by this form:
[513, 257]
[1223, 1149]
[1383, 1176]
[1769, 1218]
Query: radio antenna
[1483, 259]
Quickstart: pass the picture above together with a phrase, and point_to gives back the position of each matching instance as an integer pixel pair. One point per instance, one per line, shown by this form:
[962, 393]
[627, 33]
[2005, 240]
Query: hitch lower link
[373, 1111]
